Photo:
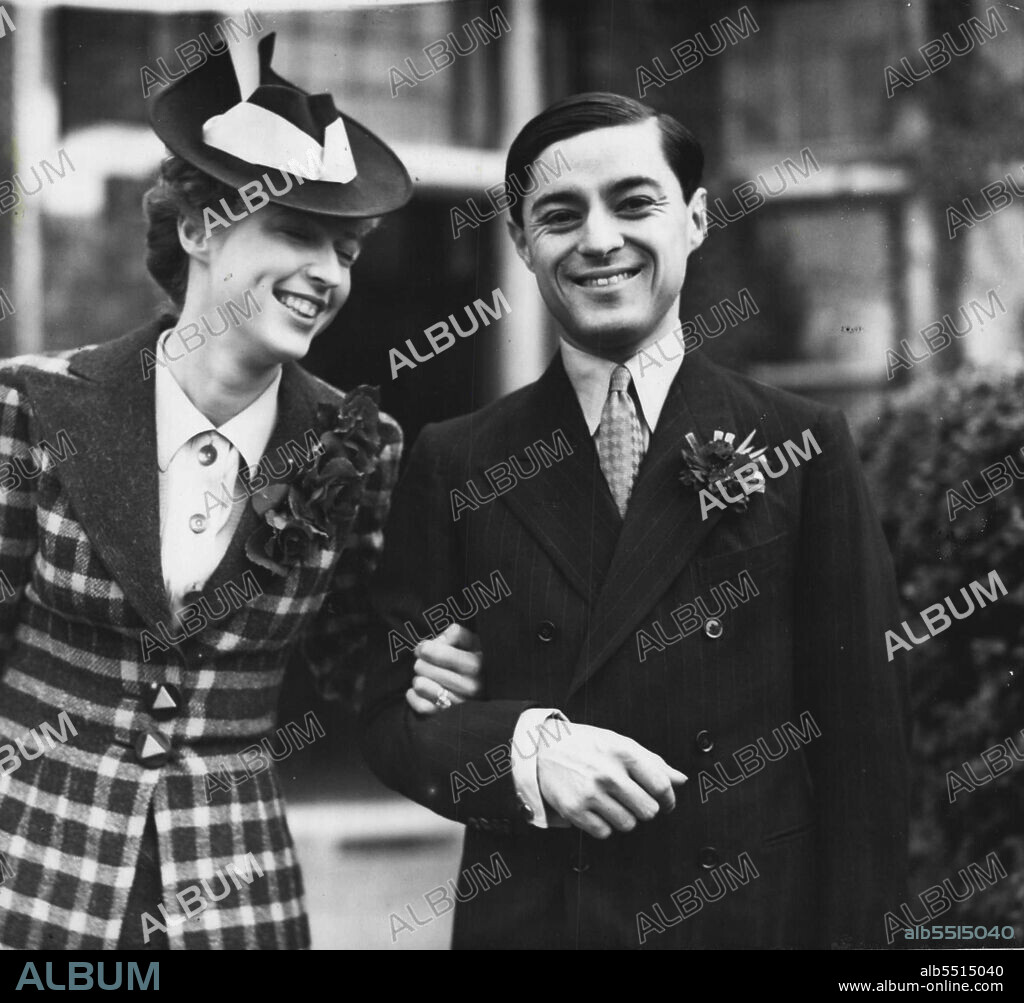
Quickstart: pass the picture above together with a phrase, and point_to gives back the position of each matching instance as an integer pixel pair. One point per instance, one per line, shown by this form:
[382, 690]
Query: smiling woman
[114, 825]
[299, 259]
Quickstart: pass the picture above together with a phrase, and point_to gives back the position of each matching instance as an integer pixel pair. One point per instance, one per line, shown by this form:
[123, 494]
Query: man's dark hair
[581, 113]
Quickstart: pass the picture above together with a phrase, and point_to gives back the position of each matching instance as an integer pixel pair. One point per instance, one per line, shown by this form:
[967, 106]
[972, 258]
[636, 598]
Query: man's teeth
[609, 280]
[301, 306]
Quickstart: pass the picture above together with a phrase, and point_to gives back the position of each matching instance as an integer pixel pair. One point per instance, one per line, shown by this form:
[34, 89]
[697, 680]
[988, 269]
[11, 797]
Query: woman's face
[294, 266]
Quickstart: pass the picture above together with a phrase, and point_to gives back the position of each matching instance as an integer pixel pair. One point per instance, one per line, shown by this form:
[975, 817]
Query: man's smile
[605, 277]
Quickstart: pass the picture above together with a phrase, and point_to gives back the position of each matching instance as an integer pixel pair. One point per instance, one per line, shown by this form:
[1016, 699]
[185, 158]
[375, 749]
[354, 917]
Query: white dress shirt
[201, 496]
[653, 369]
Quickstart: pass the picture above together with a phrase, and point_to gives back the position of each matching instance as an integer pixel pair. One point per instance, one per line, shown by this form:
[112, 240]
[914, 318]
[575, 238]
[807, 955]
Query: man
[730, 770]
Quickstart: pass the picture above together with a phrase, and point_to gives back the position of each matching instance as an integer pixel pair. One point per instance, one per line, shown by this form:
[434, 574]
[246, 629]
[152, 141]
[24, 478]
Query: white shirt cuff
[526, 740]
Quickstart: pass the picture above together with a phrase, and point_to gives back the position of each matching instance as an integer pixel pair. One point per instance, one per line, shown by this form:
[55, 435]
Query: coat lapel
[663, 526]
[567, 507]
[108, 411]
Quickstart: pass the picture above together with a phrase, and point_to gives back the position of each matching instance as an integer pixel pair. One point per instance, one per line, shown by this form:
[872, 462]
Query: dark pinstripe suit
[824, 826]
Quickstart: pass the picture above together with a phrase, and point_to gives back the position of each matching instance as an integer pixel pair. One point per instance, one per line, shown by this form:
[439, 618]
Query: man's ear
[518, 235]
[697, 211]
[195, 241]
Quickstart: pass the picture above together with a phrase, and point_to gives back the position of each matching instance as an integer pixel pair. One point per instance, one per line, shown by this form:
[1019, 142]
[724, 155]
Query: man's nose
[600, 234]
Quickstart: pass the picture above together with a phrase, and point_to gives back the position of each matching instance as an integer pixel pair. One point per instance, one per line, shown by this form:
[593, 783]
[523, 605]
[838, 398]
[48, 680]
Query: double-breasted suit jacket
[779, 704]
[80, 551]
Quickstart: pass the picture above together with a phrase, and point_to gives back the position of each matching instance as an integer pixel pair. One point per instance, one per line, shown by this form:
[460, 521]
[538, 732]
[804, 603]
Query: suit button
[545, 631]
[708, 857]
[579, 866]
[713, 628]
[704, 741]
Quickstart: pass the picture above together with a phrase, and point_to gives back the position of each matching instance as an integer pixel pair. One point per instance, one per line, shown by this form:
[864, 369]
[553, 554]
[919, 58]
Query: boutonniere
[318, 503]
[723, 467]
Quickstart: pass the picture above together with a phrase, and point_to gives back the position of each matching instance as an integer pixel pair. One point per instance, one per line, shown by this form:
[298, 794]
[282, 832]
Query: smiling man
[650, 762]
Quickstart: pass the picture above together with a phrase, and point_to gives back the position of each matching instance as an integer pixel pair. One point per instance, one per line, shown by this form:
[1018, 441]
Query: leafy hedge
[966, 682]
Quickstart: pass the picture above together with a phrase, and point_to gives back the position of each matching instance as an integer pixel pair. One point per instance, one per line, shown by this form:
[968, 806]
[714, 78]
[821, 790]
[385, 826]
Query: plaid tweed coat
[80, 563]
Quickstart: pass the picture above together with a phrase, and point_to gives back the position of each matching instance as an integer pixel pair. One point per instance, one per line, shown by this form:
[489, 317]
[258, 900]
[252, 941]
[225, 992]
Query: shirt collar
[653, 369]
[178, 420]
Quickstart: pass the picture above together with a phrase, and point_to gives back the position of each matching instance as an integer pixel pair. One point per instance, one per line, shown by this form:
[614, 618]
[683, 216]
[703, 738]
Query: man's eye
[559, 217]
[638, 203]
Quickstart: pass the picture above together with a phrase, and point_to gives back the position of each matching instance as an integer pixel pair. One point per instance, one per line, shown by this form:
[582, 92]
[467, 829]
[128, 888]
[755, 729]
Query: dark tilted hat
[281, 136]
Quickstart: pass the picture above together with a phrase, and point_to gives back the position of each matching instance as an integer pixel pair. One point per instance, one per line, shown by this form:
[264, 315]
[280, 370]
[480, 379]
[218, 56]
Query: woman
[208, 497]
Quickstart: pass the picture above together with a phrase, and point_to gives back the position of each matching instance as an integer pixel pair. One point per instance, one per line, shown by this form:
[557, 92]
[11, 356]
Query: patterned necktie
[619, 439]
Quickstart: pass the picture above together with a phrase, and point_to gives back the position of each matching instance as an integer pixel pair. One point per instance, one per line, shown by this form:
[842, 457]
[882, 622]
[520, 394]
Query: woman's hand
[447, 671]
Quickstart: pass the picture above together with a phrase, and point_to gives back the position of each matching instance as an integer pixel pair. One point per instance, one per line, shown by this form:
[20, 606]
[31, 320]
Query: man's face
[298, 267]
[608, 240]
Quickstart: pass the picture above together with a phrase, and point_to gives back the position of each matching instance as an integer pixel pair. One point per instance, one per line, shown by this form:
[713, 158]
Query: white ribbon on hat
[260, 136]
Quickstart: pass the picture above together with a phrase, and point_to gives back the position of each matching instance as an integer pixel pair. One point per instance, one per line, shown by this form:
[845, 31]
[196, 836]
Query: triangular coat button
[162, 700]
[152, 748]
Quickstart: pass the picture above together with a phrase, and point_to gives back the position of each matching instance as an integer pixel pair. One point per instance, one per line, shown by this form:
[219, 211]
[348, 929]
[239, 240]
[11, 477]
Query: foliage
[966, 682]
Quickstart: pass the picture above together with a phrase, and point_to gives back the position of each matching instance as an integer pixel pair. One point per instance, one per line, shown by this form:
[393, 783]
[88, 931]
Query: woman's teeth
[609, 280]
[298, 305]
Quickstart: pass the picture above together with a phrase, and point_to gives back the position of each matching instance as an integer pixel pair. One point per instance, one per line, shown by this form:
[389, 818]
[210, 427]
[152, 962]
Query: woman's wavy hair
[181, 191]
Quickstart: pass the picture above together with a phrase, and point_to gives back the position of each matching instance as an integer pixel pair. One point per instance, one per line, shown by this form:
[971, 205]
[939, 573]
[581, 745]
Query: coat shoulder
[17, 372]
[483, 425]
[784, 403]
[13, 370]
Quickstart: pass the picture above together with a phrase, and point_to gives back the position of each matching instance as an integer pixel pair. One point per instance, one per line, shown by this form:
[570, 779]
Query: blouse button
[207, 454]
[197, 523]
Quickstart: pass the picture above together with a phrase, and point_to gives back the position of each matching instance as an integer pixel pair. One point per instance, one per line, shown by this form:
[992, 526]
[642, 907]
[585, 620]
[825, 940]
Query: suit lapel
[108, 411]
[567, 506]
[663, 526]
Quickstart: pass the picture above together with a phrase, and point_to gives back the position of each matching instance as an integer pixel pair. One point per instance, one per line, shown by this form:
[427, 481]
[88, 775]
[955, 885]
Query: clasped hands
[594, 778]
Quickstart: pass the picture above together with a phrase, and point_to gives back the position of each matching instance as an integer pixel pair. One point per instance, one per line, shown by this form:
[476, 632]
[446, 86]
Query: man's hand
[600, 780]
[447, 666]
